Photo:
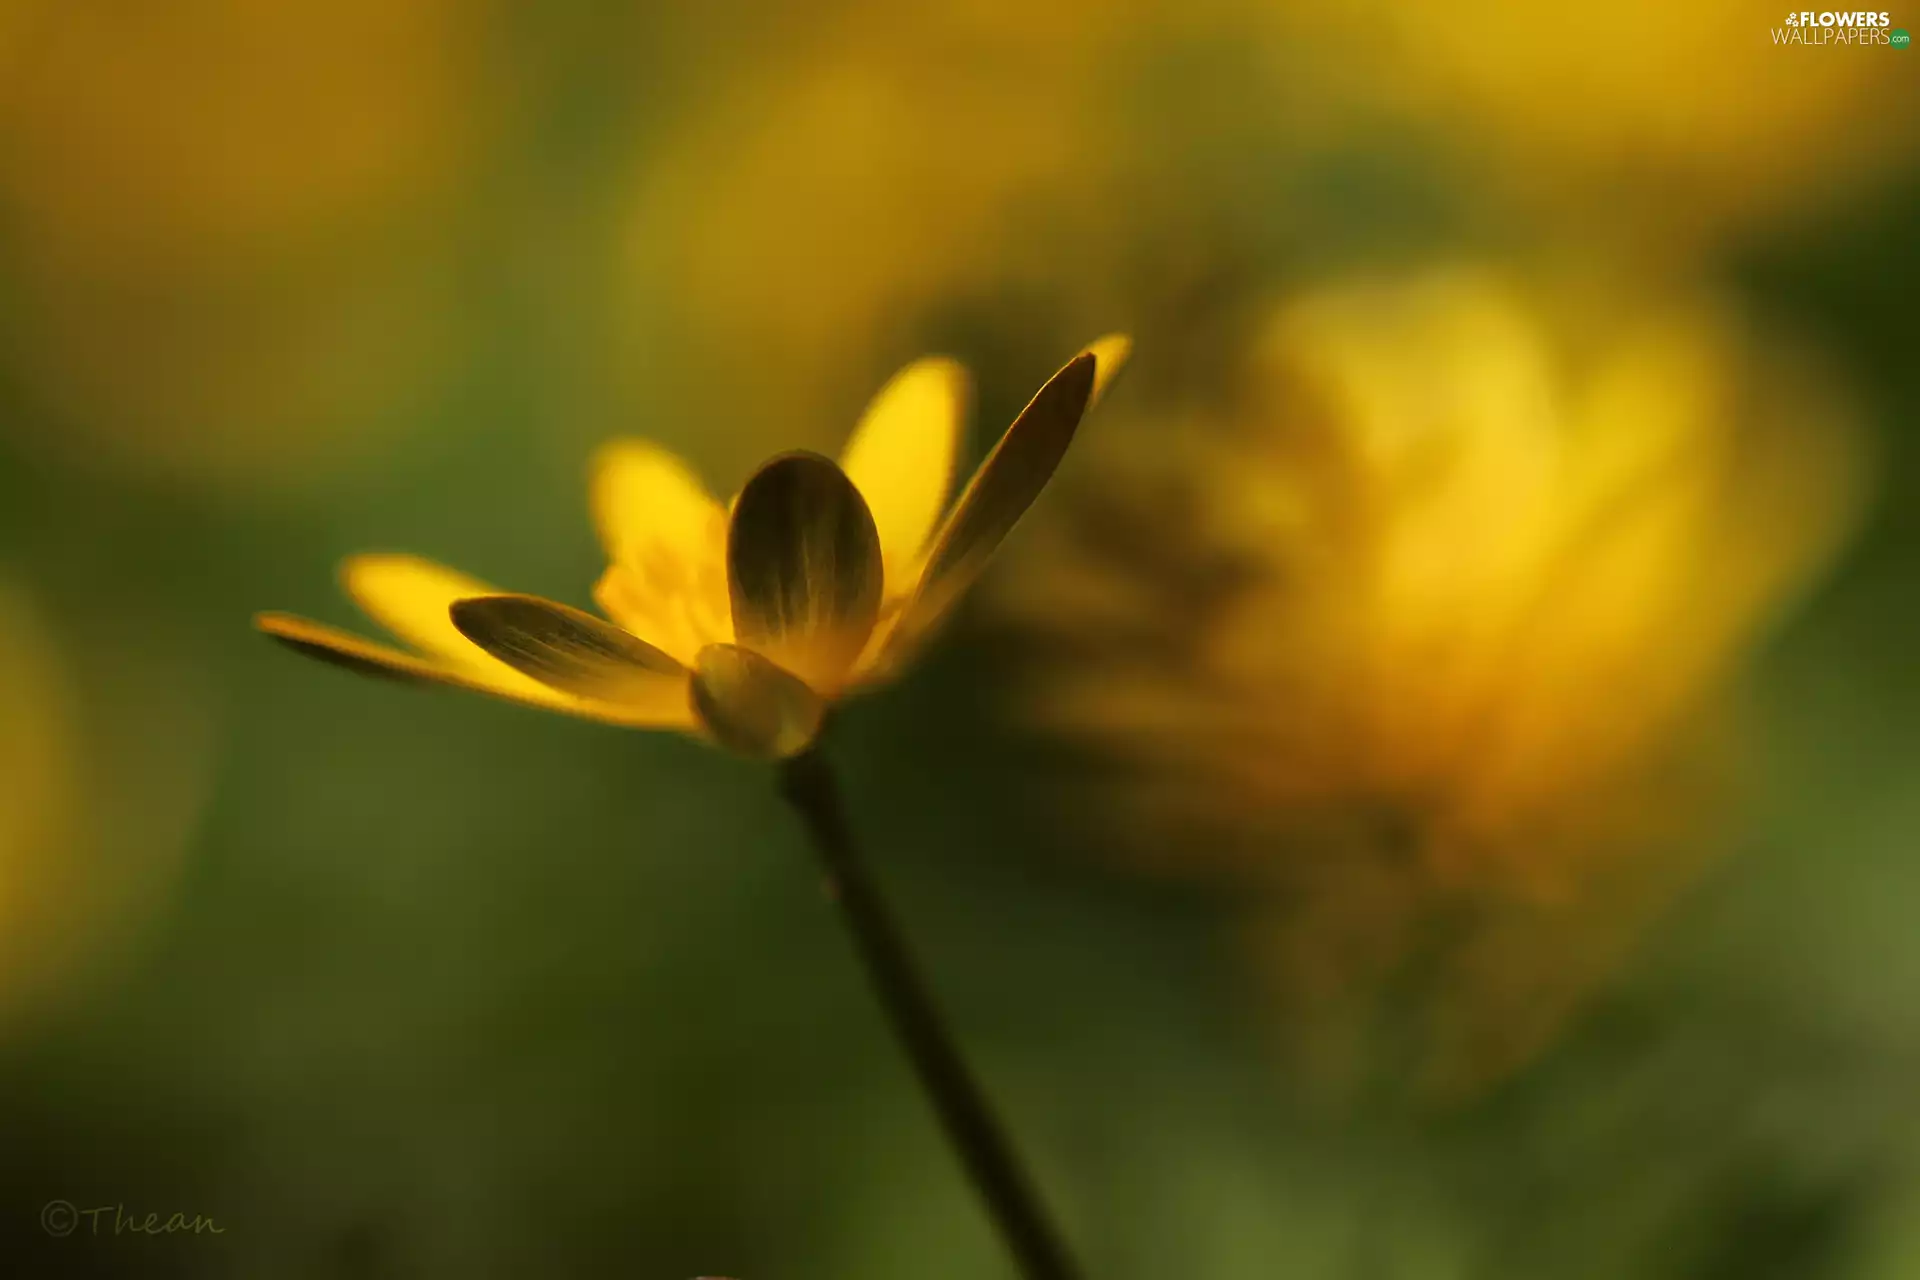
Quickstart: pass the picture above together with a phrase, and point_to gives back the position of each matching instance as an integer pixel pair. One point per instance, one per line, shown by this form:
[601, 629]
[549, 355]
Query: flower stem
[807, 781]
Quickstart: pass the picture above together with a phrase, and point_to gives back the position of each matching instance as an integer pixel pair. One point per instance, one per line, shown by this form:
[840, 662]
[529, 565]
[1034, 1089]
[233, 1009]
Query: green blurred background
[392, 983]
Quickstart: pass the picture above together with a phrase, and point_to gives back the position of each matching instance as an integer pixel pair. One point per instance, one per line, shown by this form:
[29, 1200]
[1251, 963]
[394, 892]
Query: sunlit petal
[355, 653]
[679, 620]
[666, 539]
[803, 567]
[752, 706]
[572, 651]
[901, 458]
[413, 597]
[1110, 356]
[661, 620]
[410, 596]
[647, 501]
[367, 657]
[999, 494]
[476, 672]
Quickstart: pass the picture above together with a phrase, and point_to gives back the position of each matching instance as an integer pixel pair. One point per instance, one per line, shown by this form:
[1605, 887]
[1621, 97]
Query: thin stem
[807, 781]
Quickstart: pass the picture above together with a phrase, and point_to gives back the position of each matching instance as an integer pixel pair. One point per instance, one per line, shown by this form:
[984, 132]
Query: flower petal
[752, 706]
[571, 651]
[803, 568]
[344, 649]
[901, 455]
[367, 657]
[666, 539]
[998, 495]
[409, 596]
[646, 500]
[1110, 357]
[679, 620]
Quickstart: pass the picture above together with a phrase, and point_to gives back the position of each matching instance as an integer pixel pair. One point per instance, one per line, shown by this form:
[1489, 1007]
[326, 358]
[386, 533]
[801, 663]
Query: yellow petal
[680, 622]
[1110, 357]
[803, 568]
[646, 500]
[999, 494]
[753, 707]
[410, 596]
[367, 657]
[666, 538]
[344, 649]
[901, 458]
[571, 651]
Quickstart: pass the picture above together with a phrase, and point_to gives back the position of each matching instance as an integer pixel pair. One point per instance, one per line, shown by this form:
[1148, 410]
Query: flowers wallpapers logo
[1831, 28]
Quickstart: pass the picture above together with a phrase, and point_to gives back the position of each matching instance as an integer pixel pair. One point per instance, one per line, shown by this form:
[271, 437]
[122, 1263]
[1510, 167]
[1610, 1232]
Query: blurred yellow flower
[741, 623]
[39, 787]
[225, 258]
[92, 817]
[1430, 607]
[879, 159]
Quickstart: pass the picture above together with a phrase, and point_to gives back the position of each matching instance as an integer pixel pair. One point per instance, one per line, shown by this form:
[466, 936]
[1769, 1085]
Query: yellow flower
[1480, 547]
[1419, 636]
[742, 623]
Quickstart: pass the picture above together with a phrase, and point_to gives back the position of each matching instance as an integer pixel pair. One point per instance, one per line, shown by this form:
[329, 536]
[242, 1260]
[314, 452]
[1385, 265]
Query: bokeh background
[1432, 791]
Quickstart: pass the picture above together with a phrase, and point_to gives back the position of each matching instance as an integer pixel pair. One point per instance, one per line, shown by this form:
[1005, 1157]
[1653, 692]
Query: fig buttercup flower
[739, 623]
[742, 624]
